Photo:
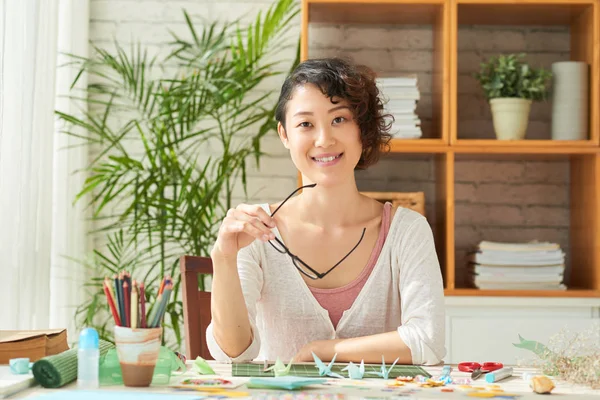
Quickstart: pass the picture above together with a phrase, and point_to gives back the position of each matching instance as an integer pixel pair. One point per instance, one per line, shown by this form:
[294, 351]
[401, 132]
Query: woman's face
[322, 137]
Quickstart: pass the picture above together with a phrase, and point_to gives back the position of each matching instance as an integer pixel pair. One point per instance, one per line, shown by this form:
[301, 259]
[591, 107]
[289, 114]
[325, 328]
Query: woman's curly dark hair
[356, 84]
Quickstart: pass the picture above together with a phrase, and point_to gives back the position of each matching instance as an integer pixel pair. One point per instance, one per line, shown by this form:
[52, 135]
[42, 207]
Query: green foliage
[510, 76]
[154, 191]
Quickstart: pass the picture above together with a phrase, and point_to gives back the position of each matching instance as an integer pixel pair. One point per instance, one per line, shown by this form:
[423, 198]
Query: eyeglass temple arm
[293, 193]
[346, 256]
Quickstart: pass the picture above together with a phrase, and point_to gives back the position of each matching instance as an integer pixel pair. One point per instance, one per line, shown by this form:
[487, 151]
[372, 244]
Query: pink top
[338, 300]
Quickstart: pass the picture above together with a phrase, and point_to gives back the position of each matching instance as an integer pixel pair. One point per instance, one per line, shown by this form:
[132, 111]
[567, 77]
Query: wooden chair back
[196, 305]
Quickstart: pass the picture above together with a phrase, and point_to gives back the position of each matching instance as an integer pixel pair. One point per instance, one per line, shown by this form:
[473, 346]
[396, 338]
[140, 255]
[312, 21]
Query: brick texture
[496, 199]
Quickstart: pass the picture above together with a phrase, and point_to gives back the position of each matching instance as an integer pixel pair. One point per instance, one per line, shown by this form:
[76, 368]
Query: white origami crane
[385, 373]
[325, 370]
[355, 371]
[279, 368]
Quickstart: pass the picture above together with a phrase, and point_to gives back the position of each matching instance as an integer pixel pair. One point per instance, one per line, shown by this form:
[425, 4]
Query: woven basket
[413, 200]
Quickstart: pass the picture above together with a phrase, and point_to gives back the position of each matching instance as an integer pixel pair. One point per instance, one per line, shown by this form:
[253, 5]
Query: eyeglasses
[298, 263]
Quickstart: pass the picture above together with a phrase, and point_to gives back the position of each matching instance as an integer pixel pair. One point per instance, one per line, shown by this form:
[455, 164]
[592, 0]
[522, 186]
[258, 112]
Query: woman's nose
[324, 138]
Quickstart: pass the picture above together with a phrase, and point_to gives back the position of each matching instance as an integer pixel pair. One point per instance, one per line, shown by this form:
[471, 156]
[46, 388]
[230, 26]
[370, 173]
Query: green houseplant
[170, 138]
[510, 85]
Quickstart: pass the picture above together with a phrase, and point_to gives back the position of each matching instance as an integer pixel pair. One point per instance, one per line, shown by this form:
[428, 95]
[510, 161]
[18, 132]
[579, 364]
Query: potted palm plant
[170, 138]
[510, 85]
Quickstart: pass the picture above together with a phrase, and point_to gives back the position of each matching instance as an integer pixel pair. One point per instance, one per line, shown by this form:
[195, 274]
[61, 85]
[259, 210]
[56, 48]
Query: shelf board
[418, 146]
[523, 293]
[379, 12]
[523, 12]
[491, 146]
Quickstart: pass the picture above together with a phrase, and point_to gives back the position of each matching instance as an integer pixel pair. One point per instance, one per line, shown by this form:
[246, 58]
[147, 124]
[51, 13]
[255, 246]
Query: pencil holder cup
[138, 350]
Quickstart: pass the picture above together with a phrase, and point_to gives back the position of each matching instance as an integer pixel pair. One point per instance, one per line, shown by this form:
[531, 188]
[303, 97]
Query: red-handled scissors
[477, 369]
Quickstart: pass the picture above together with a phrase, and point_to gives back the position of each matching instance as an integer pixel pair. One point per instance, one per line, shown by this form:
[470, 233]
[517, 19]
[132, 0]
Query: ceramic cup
[138, 351]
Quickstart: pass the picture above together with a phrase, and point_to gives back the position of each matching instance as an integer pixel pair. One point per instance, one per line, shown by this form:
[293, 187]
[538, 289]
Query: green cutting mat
[310, 370]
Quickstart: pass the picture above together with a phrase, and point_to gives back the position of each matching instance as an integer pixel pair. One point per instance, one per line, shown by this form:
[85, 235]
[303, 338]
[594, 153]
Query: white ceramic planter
[510, 117]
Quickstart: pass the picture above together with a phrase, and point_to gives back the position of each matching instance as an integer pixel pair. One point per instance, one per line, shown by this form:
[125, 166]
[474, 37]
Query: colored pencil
[111, 304]
[162, 285]
[127, 301]
[121, 299]
[117, 295]
[153, 311]
[127, 310]
[134, 306]
[108, 284]
[143, 305]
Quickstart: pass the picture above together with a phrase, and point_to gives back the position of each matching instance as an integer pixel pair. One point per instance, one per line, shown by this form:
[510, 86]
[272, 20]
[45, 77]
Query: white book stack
[518, 266]
[401, 95]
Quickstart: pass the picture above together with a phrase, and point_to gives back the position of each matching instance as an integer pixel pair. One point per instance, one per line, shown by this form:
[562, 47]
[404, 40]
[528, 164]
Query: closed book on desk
[32, 344]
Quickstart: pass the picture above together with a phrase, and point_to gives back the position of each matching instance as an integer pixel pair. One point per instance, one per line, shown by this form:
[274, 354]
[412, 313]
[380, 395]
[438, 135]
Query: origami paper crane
[325, 370]
[385, 373]
[445, 376]
[279, 368]
[201, 367]
[355, 371]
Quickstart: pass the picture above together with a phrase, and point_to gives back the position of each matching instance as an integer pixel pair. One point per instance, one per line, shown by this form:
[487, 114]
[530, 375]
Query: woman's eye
[338, 120]
[304, 124]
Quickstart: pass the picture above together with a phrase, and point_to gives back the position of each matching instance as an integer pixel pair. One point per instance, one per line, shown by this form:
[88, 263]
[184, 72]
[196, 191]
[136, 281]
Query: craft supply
[325, 370]
[11, 383]
[112, 395]
[58, 370]
[138, 351]
[111, 302]
[142, 305]
[478, 369]
[499, 374]
[126, 305]
[134, 306]
[88, 360]
[383, 372]
[308, 370]
[207, 384]
[541, 384]
[202, 367]
[355, 371]
[127, 302]
[284, 382]
[526, 376]
[279, 368]
[19, 366]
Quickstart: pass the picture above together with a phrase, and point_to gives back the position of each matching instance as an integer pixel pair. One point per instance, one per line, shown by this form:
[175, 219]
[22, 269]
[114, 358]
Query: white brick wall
[496, 199]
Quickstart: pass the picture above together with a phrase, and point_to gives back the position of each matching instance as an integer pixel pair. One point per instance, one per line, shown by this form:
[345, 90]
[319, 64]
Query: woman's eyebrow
[337, 108]
[311, 113]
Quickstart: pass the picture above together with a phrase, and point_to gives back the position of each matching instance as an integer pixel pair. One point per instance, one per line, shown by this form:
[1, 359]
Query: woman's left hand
[324, 349]
[305, 353]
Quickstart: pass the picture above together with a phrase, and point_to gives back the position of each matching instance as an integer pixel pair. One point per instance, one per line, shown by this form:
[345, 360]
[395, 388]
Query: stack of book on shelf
[518, 266]
[402, 95]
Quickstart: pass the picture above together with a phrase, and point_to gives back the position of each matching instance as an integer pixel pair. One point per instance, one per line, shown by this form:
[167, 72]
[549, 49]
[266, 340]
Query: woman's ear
[282, 135]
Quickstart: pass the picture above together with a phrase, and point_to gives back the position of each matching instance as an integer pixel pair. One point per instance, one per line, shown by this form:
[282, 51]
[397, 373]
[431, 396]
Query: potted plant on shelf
[511, 85]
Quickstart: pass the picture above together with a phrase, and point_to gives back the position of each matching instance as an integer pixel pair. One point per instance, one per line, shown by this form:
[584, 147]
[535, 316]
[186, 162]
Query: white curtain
[38, 223]
[70, 241]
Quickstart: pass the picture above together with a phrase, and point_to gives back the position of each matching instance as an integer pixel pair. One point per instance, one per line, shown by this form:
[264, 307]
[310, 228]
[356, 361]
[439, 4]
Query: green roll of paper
[58, 370]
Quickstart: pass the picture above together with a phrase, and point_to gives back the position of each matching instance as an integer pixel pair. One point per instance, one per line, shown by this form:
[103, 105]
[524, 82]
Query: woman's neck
[332, 206]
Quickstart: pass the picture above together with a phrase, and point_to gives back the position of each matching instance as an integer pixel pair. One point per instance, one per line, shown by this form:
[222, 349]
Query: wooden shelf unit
[583, 19]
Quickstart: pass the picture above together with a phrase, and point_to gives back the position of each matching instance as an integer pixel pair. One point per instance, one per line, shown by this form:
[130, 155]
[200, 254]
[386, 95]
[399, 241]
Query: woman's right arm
[237, 283]
[231, 325]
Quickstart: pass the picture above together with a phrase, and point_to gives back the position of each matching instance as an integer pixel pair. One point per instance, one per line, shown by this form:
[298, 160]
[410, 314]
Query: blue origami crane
[325, 370]
[355, 371]
[385, 373]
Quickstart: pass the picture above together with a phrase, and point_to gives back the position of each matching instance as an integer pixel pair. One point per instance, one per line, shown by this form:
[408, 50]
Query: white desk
[511, 385]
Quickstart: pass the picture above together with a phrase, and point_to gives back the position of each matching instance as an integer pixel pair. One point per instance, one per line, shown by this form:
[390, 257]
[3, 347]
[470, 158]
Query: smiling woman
[312, 288]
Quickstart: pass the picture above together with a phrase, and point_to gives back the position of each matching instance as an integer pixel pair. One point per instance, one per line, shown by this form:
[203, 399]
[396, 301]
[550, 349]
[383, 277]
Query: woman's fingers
[240, 220]
[258, 212]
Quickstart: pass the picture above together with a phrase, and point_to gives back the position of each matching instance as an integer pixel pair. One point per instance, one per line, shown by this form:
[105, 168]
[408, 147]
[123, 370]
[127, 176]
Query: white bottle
[88, 360]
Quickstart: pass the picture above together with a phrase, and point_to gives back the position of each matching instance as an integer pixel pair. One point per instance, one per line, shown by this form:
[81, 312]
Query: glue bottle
[88, 360]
